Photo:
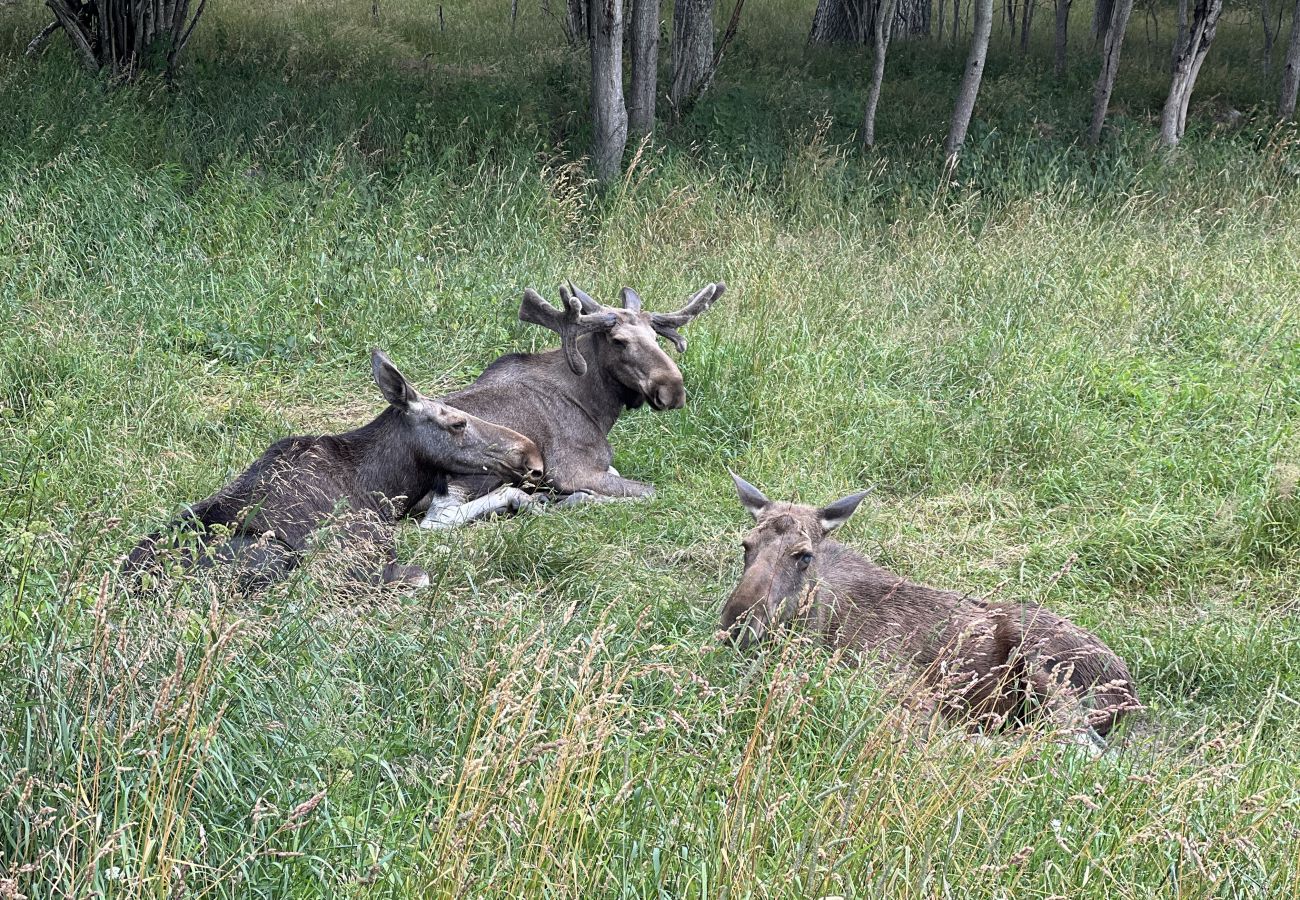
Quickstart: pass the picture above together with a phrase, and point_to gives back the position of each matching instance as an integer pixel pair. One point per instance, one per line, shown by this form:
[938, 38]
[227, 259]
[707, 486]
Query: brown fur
[264, 521]
[989, 662]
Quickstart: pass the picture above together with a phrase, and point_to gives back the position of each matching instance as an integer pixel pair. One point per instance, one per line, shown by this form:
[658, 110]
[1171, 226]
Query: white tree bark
[1187, 65]
[885, 11]
[608, 112]
[1120, 13]
[970, 81]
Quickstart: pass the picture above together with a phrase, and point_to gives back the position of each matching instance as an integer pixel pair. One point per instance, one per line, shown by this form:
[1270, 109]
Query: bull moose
[989, 663]
[567, 400]
[263, 521]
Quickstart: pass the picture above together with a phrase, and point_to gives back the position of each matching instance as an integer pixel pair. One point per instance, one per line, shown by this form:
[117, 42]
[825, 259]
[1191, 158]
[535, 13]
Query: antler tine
[589, 304]
[702, 300]
[568, 321]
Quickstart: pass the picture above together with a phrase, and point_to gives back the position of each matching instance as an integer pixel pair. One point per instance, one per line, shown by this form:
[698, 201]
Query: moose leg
[602, 487]
[454, 509]
[1062, 706]
[257, 562]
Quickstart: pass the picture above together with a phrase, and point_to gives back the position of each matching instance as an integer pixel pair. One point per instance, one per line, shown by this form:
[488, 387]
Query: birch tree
[883, 26]
[970, 81]
[1291, 70]
[1059, 44]
[692, 52]
[1120, 13]
[1187, 65]
[608, 112]
[114, 36]
[644, 46]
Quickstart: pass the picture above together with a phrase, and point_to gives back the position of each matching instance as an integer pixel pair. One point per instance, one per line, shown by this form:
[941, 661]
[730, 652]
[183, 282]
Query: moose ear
[750, 497]
[631, 299]
[839, 512]
[392, 384]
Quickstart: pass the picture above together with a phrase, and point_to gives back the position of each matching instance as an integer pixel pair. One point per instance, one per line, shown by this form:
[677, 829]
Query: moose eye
[803, 560]
[457, 426]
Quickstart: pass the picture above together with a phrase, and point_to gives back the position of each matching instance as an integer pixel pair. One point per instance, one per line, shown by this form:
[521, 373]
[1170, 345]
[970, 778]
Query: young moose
[991, 662]
[568, 399]
[271, 511]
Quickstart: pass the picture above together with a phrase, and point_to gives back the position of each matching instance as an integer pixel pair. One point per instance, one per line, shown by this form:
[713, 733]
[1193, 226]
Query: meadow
[1072, 376]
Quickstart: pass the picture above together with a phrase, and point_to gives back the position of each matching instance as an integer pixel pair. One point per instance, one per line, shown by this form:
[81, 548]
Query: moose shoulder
[263, 521]
[988, 662]
[567, 400]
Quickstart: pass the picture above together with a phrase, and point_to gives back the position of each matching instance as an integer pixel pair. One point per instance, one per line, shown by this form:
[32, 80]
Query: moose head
[434, 433]
[780, 560]
[623, 340]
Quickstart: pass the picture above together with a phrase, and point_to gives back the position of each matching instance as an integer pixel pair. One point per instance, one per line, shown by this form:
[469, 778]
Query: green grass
[1072, 376]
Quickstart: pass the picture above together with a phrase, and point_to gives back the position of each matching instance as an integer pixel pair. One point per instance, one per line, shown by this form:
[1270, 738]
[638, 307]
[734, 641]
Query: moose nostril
[535, 474]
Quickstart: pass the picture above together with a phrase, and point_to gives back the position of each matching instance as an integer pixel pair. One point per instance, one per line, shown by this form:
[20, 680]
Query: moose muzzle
[668, 393]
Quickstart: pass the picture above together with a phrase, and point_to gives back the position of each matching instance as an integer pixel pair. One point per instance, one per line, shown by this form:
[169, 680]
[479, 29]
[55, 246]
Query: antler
[589, 305]
[666, 324]
[569, 323]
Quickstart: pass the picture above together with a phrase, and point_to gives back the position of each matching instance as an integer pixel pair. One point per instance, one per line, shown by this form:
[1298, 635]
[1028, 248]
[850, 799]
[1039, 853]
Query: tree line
[116, 36]
[696, 55]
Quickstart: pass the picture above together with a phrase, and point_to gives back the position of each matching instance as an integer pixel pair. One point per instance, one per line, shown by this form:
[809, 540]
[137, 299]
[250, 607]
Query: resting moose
[567, 400]
[263, 521]
[989, 662]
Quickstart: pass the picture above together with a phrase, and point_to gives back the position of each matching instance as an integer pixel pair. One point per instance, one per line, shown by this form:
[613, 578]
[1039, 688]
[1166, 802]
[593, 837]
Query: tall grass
[1072, 377]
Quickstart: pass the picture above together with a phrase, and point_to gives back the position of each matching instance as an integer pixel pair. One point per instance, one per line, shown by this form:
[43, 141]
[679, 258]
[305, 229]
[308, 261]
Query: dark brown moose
[263, 522]
[988, 663]
[567, 400]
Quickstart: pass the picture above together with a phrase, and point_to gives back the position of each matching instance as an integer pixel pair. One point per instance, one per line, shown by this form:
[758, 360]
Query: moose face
[780, 561]
[627, 351]
[630, 354]
[452, 440]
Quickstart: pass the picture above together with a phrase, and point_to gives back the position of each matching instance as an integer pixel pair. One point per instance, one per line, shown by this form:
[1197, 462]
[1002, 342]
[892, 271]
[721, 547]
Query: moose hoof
[515, 499]
[409, 576]
[575, 499]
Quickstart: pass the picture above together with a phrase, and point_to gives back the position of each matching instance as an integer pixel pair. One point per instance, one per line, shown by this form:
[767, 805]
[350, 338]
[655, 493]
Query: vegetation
[1071, 376]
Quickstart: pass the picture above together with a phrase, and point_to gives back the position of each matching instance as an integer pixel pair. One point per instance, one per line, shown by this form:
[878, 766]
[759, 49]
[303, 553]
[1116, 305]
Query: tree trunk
[883, 27]
[1109, 67]
[608, 114]
[576, 27]
[1291, 70]
[692, 52]
[645, 67]
[911, 19]
[1062, 36]
[1181, 35]
[1027, 10]
[1269, 36]
[1102, 14]
[956, 20]
[841, 22]
[970, 81]
[116, 35]
[1187, 65]
[938, 24]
